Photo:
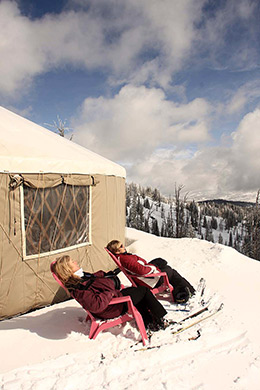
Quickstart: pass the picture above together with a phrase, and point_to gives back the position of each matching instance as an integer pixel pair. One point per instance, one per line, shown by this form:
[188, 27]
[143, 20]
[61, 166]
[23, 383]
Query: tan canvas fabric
[45, 180]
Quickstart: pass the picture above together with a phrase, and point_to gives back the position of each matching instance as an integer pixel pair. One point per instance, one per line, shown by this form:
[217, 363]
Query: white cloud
[244, 161]
[138, 41]
[18, 49]
[244, 95]
[228, 35]
[210, 172]
[123, 41]
[139, 120]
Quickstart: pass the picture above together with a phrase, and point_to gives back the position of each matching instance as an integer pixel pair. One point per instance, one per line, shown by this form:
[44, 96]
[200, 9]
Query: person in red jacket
[95, 291]
[137, 266]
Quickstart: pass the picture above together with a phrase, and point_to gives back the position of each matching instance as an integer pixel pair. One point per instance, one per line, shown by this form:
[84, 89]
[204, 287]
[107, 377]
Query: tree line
[236, 224]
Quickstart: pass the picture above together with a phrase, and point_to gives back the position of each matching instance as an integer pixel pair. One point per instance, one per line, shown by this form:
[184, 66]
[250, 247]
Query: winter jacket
[139, 267]
[95, 296]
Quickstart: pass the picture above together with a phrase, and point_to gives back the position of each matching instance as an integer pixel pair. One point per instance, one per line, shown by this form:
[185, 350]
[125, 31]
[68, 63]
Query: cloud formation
[139, 41]
[153, 138]
[139, 120]
[220, 171]
[116, 38]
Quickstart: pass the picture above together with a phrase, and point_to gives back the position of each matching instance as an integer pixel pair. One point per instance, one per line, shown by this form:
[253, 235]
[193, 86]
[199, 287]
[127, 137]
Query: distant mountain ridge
[225, 201]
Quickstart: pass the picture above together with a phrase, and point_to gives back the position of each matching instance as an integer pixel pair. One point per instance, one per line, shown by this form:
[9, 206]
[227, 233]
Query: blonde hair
[113, 246]
[63, 271]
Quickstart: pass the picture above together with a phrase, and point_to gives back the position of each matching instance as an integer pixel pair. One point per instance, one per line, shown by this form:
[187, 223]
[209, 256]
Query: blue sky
[168, 88]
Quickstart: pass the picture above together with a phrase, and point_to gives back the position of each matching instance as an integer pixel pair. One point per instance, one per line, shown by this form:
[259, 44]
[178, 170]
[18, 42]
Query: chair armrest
[123, 299]
[153, 274]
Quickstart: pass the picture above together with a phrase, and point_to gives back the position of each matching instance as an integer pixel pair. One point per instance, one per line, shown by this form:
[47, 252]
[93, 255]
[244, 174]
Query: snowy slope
[50, 349]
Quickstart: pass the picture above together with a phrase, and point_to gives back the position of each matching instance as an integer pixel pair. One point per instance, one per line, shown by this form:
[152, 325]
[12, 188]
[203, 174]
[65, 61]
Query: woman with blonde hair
[95, 291]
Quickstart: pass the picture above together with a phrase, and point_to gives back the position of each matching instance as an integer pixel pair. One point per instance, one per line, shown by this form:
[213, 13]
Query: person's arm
[136, 265]
[96, 298]
[96, 302]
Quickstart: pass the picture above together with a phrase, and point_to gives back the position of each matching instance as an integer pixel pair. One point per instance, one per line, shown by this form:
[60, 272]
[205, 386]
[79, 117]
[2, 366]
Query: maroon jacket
[97, 296]
[139, 267]
[136, 265]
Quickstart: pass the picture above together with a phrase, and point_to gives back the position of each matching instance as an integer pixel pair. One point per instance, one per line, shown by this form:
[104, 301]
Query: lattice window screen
[55, 218]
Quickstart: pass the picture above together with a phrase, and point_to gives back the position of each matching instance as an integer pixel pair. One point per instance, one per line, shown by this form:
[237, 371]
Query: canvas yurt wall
[56, 198]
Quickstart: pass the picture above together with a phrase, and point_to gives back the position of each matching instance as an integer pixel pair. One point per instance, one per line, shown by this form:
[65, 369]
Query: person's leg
[137, 295]
[146, 303]
[176, 280]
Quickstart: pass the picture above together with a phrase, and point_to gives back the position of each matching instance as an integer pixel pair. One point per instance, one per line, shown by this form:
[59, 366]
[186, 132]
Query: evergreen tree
[194, 214]
[155, 228]
[220, 238]
[205, 224]
[147, 204]
[162, 212]
[230, 241]
[170, 223]
[179, 212]
[146, 226]
[163, 229]
[214, 223]
[221, 226]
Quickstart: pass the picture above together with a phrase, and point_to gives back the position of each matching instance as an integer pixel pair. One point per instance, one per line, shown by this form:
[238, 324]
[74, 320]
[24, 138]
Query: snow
[50, 349]
[26, 147]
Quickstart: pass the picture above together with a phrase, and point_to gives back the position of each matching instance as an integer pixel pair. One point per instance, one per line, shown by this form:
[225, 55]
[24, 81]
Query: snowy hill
[50, 349]
[232, 223]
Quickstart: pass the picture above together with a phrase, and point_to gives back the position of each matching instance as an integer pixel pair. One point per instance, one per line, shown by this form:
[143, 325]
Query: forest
[236, 224]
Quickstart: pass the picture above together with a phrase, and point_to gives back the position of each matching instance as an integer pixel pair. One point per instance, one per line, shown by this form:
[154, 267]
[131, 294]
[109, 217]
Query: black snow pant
[176, 280]
[143, 299]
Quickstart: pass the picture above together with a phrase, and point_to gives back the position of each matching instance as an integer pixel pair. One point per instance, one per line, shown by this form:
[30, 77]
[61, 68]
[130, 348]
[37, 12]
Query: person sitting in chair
[137, 266]
[95, 291]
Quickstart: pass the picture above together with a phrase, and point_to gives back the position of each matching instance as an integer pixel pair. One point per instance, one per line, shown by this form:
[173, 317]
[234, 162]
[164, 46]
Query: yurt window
[55, 218]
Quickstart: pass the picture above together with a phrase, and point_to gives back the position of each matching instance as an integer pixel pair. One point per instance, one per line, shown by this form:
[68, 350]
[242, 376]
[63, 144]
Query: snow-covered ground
[50, 349]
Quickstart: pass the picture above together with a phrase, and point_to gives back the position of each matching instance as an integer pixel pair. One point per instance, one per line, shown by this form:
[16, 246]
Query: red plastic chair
[165, 286]
[98, 325]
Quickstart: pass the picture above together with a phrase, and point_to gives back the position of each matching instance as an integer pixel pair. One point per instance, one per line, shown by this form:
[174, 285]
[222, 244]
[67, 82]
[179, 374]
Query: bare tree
[60, 127]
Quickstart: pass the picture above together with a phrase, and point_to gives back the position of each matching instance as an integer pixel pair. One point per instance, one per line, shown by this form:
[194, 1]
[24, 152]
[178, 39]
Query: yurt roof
[26, 147]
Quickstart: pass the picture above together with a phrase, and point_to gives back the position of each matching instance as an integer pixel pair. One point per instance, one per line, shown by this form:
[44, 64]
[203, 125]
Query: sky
[170, 89]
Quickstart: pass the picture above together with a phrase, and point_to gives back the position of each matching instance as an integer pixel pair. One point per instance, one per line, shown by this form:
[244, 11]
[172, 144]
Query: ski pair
[193, 315]
[182, 329]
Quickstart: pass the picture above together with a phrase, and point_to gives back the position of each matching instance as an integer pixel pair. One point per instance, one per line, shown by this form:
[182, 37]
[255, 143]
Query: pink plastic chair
[98, 325]
[165, 286]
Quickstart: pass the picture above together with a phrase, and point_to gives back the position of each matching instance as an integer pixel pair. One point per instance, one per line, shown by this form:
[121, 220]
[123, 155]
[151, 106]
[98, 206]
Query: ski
[195, 314]
[192, 315]
[214, 312]
[198, 321]
[201, 287]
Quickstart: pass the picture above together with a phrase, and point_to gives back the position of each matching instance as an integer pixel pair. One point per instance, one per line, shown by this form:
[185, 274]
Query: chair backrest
[164, 286]
[57, 279]
[118, 263]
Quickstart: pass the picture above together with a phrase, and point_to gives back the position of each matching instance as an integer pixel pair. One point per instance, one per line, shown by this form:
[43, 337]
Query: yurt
[56, 198]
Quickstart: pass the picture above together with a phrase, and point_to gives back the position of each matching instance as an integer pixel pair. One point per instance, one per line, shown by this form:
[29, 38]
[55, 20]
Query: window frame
[56, 251]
